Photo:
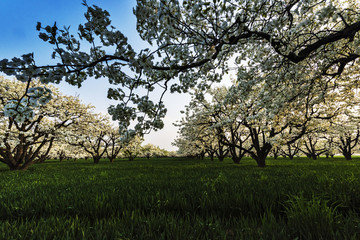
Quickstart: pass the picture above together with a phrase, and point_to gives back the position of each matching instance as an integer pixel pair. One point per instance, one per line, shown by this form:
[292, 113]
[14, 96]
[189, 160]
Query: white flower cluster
[192, 44]
[23, 109]
[128, 136]
[39, 96]
[19, 110]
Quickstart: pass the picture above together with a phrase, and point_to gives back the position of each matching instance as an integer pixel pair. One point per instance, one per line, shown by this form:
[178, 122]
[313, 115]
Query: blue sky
[18, 36]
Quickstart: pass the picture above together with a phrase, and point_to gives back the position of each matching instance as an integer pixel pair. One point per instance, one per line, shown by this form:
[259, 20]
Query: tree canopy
[193, 43]
[27, 140]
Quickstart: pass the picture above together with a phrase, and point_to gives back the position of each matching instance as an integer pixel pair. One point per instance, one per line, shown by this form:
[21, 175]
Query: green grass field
[182, 199]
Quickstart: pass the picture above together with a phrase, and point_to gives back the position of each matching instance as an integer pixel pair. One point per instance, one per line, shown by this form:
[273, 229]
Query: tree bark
[261, 161]
[96, 159]
[24, 166]
[347, 155]
[212, 156]
[236, 159]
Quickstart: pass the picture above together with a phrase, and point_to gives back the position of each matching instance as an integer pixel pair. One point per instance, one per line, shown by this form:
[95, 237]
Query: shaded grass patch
[182, 199]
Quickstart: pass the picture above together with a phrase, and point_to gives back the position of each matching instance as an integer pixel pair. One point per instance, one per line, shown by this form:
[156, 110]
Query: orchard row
[62, 128]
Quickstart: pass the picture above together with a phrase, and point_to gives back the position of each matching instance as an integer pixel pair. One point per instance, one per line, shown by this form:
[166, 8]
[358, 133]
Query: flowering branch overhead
[192, 44]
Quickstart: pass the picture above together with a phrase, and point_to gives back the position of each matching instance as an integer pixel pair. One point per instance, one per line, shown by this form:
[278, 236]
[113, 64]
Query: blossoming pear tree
[289, 150]
[193, 43]
[196, 136]
[64, 151]
[348, 141]
[234, 136]
[314, 145]
[27, 138]
[149, 150]
[263, 119]
[133, 148]
[91, 135]
[345, 131]
[115, 142]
